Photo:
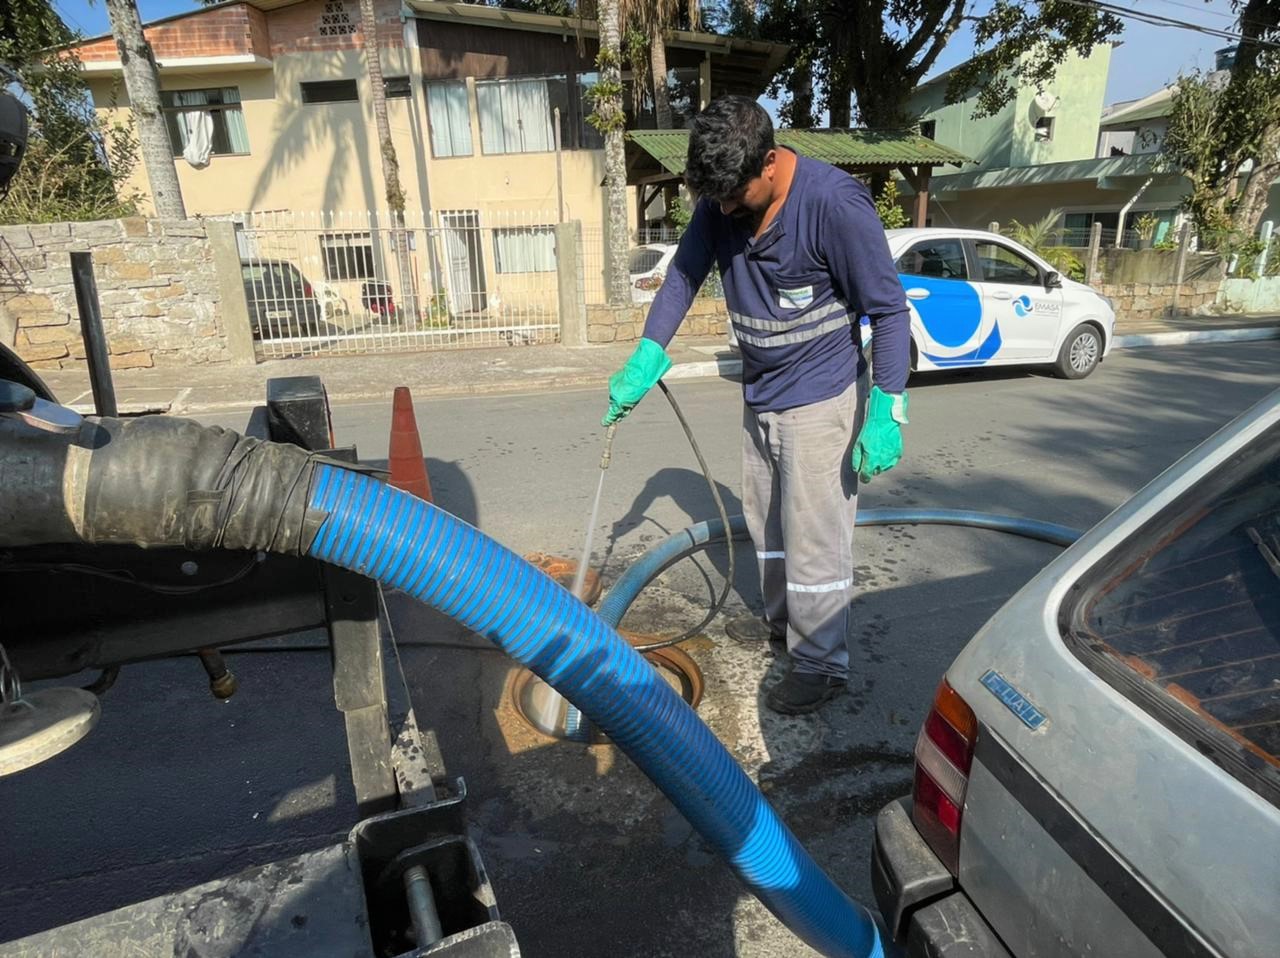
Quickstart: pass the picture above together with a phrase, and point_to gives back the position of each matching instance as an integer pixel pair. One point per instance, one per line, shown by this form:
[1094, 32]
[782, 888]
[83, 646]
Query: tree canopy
[1224, 131]
[873, 53]
[71, 169]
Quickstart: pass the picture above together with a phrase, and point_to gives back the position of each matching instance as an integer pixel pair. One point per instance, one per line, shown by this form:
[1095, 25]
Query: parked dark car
[281, 302]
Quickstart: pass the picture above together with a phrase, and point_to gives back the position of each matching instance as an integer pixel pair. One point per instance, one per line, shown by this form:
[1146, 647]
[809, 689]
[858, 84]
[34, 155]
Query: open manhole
[547, 711]
[565, 571]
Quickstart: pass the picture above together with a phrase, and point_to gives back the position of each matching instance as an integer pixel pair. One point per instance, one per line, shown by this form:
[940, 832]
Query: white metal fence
[1080, 238]
[359, 282]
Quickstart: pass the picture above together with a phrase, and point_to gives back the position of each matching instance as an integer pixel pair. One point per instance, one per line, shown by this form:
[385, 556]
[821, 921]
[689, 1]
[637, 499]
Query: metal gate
[361, 282]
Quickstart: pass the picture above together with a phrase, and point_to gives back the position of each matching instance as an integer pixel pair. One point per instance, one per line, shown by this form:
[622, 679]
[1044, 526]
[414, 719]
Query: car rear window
[642, 260]
[1189, 608]
[939, 259]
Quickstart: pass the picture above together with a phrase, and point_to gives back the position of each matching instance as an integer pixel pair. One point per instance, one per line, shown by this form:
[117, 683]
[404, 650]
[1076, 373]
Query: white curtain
[527, 250]
[198, 125]
[450, 119]
[222, 119]
[515, 116]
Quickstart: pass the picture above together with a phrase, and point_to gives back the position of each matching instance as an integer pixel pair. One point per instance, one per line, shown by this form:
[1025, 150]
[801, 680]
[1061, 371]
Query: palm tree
[142, 81]
[652, 19]
[387, 152]
[1044, 238]
[610, 118]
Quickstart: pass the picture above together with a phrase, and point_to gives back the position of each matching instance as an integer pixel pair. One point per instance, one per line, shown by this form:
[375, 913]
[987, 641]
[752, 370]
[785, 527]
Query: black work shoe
[750, 630]
[800, 692]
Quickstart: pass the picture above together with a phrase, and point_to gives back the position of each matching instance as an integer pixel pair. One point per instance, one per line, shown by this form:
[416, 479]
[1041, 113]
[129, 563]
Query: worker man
[802, 255]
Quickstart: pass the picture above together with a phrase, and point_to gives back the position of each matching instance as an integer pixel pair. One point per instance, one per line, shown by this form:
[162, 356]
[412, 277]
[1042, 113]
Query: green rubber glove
[879, 445]
[629, 384]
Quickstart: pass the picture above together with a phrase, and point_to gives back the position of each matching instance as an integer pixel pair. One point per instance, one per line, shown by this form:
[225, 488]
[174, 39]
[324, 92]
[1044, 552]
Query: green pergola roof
[848, 149]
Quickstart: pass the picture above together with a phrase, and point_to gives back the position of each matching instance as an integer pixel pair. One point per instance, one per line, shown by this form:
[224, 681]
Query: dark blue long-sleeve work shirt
[796, 293]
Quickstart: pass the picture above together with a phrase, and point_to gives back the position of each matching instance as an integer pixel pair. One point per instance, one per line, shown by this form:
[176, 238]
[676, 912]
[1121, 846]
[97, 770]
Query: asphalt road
[585, 856]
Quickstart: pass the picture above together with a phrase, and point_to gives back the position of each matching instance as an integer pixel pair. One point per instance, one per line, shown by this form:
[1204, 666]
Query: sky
[1149, 57]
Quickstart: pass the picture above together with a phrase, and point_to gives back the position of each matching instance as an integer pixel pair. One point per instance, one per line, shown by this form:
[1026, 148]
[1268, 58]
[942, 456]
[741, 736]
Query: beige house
[472, 97]
[270, 114]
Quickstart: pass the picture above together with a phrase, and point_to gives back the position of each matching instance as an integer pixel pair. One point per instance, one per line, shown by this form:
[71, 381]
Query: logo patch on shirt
[795, 298]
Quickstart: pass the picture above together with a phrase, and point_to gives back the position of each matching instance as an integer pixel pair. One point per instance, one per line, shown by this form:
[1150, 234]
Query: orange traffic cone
[404, 456]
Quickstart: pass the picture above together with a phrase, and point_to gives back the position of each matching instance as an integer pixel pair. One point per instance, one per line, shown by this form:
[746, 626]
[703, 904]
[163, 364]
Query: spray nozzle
[607, 455]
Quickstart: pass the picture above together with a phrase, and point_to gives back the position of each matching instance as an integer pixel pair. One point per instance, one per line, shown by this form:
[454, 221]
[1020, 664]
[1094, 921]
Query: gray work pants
[800, 497]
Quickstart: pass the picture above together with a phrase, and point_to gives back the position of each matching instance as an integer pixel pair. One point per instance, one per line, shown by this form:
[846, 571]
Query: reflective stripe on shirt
[788, 339]
[781, 325]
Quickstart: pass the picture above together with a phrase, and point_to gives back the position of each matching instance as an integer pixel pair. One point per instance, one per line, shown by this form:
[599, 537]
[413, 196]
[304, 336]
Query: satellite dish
[1045, 102]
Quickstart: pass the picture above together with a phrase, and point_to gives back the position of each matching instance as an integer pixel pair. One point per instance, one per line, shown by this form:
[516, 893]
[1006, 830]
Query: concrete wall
[1157, 267]
[1249, 296]
[1008, 138]
[1143, 283]
[171, 293]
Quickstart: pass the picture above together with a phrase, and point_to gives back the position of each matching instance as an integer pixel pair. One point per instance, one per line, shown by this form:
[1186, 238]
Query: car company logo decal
[1013, 700]
[1024, 306]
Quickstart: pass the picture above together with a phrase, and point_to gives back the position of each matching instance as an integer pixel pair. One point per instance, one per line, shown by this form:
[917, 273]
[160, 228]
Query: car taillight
[944, 755]
[306, 291]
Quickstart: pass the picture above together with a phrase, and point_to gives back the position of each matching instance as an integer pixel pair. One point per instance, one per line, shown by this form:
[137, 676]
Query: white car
[980, 299]
[648, 267]
[1100, 772]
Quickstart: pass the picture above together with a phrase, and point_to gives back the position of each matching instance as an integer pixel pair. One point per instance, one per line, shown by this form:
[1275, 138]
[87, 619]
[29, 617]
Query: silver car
[1099, 774]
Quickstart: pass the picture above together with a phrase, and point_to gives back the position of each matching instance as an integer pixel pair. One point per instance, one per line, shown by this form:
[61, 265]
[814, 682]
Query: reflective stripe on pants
[800, 498]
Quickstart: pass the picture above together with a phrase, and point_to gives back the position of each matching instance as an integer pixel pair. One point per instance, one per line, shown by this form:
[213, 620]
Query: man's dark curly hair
[728, 142]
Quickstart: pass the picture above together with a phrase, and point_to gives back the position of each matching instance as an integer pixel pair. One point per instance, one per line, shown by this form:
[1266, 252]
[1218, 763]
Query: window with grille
[335, 21]
[347, 256]
[329, 91]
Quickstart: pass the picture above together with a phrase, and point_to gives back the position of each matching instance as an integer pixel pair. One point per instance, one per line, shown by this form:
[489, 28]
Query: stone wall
[624, 324]
[1138, 302]
[170, 292]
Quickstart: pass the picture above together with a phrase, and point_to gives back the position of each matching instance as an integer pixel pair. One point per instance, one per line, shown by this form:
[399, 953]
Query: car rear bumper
[926, 913]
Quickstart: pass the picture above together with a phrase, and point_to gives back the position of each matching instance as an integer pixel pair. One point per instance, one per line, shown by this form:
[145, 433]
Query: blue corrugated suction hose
[702, 534]
[410, 545]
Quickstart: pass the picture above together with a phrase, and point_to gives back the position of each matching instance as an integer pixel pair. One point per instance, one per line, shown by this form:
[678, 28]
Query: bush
[889, 208]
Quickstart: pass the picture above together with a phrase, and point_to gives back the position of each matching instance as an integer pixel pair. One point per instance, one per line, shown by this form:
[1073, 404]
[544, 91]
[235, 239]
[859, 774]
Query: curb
[1244, 335]
[724, 368]
[727, 368]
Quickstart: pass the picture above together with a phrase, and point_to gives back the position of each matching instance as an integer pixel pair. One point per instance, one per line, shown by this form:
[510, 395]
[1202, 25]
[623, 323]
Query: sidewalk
[507, 369]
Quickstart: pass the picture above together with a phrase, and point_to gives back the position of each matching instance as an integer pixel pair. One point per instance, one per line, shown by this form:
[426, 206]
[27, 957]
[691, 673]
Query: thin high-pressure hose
[724, 518]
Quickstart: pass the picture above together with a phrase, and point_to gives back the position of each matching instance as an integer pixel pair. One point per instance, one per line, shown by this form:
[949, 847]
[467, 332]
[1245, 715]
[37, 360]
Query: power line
[62, 12]
[1156, 20]
[1216, 13]
[1199, 7]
